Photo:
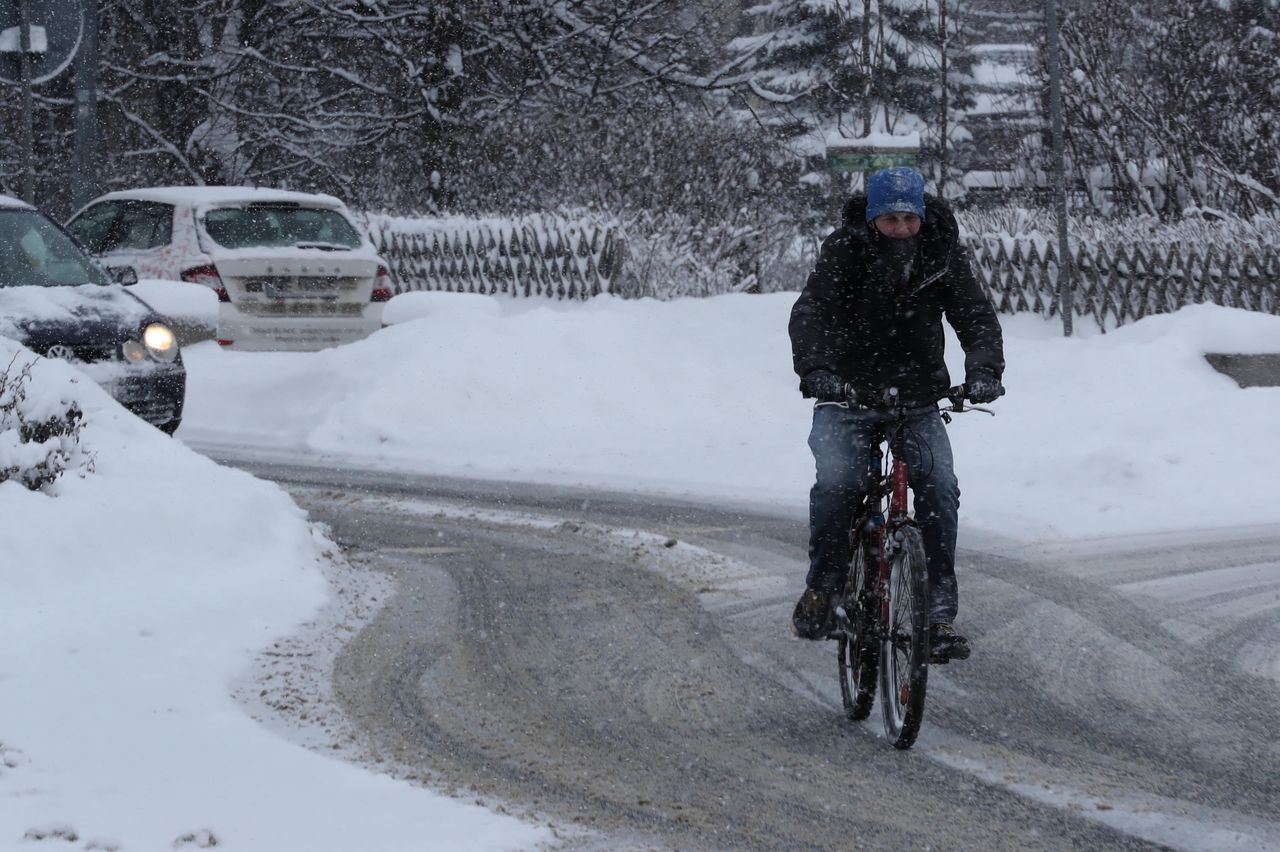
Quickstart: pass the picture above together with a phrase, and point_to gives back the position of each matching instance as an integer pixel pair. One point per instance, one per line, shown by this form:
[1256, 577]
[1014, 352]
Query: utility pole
[28, 105]
[944, 125]
[1066, 290]
[866, 67]
[84, 178]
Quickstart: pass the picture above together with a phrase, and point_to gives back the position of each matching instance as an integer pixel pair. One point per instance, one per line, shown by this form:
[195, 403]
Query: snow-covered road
[623, 665]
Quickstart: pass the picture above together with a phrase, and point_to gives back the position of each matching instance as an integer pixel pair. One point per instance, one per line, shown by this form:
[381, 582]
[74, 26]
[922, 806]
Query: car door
[129, 233]
[93, 225]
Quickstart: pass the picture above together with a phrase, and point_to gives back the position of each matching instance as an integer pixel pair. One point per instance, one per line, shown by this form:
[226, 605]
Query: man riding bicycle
[870, 319]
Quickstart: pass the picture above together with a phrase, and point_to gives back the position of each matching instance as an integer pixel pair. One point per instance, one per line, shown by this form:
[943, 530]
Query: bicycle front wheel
[904, 653]
[858, 652]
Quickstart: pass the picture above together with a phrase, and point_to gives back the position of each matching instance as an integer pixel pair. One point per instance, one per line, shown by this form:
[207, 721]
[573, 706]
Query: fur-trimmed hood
[939, 222]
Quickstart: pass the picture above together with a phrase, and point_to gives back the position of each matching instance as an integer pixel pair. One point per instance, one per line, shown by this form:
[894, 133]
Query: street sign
[11, 40]
[57, 28]
[867, 159]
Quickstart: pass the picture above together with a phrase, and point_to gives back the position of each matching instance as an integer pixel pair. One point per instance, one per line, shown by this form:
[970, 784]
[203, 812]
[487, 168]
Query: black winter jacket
[855, 319]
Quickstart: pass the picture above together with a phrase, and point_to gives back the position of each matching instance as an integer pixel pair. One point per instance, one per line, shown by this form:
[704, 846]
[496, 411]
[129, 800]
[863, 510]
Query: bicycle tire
[857, 653]
[904, 652]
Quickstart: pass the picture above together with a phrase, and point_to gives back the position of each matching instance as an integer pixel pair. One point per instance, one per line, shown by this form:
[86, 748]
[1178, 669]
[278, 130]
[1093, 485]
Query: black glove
[826, 386]
[982, 386]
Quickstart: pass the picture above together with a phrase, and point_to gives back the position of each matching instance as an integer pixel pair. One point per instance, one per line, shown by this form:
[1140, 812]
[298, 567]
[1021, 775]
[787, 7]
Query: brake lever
[959, 407]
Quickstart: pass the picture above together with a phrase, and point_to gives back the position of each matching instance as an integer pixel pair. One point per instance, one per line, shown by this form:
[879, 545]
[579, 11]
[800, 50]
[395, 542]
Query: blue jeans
[842, 447]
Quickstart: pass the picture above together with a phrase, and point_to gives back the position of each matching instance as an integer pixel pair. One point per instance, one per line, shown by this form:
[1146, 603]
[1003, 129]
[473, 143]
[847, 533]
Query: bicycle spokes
[905, 649]
[858, 650]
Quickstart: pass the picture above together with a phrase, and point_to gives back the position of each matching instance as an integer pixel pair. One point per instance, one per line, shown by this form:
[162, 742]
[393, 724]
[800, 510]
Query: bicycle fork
[887, 540]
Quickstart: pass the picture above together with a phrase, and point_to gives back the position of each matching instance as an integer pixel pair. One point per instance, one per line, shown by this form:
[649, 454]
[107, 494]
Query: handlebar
[955, 395]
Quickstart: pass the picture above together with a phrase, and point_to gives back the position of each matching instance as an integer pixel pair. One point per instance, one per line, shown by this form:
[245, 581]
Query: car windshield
[34, 251]
[257, 225]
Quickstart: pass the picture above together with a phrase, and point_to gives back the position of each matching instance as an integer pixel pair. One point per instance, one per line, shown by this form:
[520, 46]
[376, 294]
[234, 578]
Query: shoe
[945, 644]
[814, 616]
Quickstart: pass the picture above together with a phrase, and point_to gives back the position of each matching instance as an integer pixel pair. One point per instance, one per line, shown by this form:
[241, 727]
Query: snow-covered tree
[947, 138]
[377, 100]
[862, 65]
[1175, 104]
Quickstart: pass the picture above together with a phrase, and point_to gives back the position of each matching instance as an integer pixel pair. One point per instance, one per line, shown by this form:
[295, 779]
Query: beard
[900, 254]
[901, 249]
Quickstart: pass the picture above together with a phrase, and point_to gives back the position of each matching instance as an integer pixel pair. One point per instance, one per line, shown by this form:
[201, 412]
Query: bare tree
[1175, 104]
[378, 100]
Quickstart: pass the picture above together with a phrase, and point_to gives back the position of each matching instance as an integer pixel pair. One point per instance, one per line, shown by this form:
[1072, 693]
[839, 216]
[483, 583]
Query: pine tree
[864, 66]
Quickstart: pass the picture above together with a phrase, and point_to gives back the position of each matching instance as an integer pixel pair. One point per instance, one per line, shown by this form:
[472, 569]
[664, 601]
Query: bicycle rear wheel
[858, 653]
[904, 653]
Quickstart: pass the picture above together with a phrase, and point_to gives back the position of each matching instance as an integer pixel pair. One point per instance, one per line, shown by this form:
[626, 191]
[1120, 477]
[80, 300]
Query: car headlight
[160, 342]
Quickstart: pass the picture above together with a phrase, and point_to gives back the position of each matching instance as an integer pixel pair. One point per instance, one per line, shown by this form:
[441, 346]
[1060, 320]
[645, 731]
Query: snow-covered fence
[1122, 272]
[1120, 284]
[530, 256]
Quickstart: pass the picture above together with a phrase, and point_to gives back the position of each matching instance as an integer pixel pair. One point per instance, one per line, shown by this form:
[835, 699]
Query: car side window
[93, 227]
[143, 225]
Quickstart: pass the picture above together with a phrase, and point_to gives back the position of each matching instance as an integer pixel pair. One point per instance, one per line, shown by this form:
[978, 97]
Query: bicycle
[882, 618]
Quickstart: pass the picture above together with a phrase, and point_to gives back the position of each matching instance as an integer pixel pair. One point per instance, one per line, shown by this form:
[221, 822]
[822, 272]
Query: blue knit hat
[895, 190]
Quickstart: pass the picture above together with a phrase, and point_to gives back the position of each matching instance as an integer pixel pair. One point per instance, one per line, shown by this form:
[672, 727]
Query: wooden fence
[1122, 284]
[550, 258]
[532, 259]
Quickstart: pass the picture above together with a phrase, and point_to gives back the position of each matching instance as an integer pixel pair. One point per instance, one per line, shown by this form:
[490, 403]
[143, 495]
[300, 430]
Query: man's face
[898, 226]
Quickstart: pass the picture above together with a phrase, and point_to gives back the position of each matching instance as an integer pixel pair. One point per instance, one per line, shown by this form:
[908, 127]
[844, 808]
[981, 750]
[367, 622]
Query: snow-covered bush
[653, 160]
[672, 255]
[707, 203]
[40, 433]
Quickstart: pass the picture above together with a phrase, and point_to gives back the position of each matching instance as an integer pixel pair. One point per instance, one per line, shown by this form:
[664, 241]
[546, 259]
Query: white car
[292, 270]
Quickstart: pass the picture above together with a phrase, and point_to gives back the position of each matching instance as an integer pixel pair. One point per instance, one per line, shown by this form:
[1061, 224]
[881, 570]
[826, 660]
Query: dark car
[59, 303]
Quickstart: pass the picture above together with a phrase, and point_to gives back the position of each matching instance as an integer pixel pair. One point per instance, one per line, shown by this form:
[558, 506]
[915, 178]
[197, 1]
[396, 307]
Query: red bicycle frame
[876, 527]
[898, 492]
[897, 515]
